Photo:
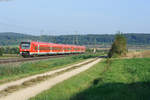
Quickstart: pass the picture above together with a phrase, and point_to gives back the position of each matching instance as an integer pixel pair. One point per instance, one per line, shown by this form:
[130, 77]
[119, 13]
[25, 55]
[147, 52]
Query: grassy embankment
[15, 71]
[118, 79]
[6, 56]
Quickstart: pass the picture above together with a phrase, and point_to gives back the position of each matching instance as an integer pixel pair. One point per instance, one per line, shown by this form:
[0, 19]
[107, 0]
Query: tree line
[9, 50]
[90, 39]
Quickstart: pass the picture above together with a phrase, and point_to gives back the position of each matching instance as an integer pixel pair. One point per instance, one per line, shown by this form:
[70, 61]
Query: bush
[119, 46]
[85, 56]
[11, 50]
[1, 51]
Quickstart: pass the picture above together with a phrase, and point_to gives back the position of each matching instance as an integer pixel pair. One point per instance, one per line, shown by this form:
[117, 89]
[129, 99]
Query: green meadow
[111, 79]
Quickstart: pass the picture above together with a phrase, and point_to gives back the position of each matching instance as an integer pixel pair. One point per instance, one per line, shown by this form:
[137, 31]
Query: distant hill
[10, 38]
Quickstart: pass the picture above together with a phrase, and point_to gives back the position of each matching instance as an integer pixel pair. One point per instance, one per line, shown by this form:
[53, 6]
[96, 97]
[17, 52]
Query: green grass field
[18, 70]
[6, 56]
[118, 79]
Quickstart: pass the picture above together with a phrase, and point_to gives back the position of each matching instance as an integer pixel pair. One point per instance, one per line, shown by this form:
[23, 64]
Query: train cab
[25, 48]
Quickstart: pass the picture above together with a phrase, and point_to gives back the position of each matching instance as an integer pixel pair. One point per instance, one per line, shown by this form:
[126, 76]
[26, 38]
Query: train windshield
[25, 45]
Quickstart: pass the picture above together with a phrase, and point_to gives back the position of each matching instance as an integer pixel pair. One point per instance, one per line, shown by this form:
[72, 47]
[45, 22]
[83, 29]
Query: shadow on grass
[115, 91]
[103, 56]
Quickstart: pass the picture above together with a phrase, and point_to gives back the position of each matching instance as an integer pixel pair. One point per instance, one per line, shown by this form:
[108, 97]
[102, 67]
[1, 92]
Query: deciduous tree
[119, 46]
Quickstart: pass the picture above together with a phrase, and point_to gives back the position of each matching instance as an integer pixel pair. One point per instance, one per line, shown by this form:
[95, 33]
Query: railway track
[13, 60]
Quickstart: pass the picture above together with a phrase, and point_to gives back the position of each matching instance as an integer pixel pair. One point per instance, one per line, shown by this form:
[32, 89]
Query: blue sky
[70, 16]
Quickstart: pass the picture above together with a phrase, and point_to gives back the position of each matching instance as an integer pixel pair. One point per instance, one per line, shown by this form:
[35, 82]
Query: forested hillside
[10, 38]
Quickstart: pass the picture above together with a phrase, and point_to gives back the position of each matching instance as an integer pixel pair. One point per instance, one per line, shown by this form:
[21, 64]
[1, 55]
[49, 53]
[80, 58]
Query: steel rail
[13, 60]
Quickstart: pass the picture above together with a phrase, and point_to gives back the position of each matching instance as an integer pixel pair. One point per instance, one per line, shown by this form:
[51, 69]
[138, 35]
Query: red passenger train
[42, 48]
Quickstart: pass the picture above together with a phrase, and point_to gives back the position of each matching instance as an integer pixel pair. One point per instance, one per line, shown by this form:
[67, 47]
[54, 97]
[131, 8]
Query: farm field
[115, 79]
[15, 71]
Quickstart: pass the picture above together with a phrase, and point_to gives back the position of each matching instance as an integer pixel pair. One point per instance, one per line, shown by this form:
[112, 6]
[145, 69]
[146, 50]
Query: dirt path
[26, 93]
[20, 81]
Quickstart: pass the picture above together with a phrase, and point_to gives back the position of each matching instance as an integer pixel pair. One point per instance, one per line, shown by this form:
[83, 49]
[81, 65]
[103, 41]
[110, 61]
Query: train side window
[35, 47]
[54, 48]
[51, 48]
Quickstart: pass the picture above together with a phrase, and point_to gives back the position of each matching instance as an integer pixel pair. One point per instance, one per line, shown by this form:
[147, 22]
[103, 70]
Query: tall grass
[13, 71]
[140, 54]
[5, 56]
[125, 79]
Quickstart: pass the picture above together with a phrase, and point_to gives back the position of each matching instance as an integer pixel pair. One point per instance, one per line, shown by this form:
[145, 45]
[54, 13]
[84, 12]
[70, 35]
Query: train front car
[25, 49]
